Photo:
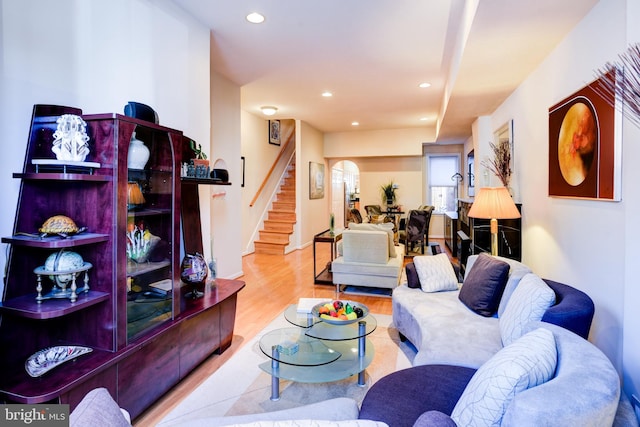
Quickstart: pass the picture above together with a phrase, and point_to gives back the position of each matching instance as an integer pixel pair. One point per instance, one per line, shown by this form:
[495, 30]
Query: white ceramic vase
[138, 154]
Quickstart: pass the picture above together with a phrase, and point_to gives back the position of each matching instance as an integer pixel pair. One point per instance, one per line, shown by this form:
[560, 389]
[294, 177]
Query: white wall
[375, 172]
[259, 156]
[97, 56]
[631, 194]
[313, 215]
[393, 142]
[587, 244]
[225, 220]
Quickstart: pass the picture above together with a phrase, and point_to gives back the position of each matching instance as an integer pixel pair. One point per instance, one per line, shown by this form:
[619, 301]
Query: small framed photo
[274, 132]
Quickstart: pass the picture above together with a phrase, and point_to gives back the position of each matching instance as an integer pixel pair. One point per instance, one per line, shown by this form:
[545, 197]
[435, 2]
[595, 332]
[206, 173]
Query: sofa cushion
[435, 273]
[434, 419]
[526, 363]
[387, 227]
[98, 409]
[484, 284]
[413, 281]
[312, 423]
[528, 304]
[401, 397]
[443, 329]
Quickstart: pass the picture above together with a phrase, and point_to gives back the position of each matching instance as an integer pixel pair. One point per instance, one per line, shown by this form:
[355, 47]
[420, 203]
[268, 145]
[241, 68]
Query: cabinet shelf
[148, 211]
[134, 269]
[54, 176]
[206, 181]
[27, 306]
[55, 242]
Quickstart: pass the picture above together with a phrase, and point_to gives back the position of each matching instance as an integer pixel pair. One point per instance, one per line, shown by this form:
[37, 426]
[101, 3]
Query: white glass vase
[138, 155]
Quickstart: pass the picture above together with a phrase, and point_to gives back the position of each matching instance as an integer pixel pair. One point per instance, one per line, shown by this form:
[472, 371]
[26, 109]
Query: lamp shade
[494, 202]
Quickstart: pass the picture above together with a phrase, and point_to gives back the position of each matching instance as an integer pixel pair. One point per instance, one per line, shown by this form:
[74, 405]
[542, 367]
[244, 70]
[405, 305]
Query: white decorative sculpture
[71, 140]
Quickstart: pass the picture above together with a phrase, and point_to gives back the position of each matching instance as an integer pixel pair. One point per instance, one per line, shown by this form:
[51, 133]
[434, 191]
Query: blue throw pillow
[484, 284]
[412, 276]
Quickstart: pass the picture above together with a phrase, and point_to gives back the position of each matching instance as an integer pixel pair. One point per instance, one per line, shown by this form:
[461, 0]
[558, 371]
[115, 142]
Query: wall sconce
[268, 111]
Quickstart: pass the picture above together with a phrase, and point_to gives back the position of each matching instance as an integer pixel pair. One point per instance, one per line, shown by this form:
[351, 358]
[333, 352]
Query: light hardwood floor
[272, 283]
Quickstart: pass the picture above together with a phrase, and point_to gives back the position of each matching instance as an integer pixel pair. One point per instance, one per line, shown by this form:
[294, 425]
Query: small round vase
[138, 155]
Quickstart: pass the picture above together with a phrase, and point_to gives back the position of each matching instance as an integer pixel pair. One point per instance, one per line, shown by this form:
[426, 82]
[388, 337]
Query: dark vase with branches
[500, 164]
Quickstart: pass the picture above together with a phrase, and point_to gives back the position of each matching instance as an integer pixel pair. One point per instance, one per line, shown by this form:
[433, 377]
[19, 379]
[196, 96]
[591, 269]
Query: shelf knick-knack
[138, 154]
[71, 142]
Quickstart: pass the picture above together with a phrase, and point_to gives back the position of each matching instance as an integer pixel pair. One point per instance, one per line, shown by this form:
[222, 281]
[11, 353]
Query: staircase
[279, 224]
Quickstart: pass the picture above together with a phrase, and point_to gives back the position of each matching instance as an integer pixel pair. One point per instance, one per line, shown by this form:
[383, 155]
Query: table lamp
[494, 203]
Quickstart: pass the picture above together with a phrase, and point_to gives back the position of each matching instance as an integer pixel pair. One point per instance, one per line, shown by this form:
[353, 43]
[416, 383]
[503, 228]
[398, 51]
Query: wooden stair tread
[277, 228]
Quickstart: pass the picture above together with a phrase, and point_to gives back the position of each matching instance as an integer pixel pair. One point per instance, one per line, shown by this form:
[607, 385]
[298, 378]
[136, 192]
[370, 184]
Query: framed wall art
[316, 180]
[502, 164]
[584, 146]
[274, 132]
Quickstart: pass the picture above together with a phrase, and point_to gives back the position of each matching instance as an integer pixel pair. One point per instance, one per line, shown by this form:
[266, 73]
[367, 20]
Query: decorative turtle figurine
[60, 225]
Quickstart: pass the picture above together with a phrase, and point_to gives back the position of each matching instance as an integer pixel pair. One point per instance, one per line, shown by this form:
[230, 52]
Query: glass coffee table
[315, 351]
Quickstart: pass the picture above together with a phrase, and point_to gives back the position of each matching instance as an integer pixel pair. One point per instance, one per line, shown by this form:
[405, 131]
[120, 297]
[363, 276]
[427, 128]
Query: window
[443, 187]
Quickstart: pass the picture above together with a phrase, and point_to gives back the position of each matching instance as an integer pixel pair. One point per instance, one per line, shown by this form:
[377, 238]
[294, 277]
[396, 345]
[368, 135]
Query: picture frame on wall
[316, 180]
[274, 132]
[585, 153]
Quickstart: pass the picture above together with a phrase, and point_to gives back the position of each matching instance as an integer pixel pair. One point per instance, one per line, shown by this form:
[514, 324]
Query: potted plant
[198, 153]
[388, 192]
[200, 161]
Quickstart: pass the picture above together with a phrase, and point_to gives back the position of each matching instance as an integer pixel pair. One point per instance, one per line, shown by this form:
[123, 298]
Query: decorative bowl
[45, 360]
[335, 320]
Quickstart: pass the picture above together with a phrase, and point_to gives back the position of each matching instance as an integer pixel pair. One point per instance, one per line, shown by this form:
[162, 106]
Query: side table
[325, 276]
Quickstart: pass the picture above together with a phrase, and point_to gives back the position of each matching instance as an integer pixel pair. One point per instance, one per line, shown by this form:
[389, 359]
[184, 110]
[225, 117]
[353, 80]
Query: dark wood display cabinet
[143, 333]
[451, 232]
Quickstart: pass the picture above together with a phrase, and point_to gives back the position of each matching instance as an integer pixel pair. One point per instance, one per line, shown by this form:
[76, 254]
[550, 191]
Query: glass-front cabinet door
[149, 230]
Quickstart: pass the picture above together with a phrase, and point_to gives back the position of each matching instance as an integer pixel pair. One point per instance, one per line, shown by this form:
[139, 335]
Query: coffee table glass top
[316, 328]
[296, 348]
[347, 365]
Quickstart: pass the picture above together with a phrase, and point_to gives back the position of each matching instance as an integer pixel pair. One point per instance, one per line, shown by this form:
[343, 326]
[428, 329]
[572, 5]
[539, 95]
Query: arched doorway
[345, 190]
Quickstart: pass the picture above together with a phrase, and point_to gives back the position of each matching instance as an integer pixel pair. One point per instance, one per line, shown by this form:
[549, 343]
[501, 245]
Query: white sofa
[445, 331]
[367, 256]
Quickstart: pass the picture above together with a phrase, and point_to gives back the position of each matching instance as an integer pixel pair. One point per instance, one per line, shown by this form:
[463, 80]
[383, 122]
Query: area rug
[241, 387]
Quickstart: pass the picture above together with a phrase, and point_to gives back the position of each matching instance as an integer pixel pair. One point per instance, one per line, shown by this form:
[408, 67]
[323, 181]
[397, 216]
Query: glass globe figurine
[193, 272]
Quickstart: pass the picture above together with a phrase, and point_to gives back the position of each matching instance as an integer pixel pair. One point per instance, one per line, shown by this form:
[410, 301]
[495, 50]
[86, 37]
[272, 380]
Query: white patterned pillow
[435, 273]
[528, 362]
[528, 303]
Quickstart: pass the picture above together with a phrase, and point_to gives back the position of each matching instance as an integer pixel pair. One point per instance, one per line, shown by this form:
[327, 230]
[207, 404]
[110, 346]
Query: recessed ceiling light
[255, 18]
[424, 85]
[424, 119]
[327, 94]
[268, 110]
[355, 123]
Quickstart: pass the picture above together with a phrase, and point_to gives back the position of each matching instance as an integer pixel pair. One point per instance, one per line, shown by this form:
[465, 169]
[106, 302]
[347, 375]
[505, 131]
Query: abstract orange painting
[584, 151]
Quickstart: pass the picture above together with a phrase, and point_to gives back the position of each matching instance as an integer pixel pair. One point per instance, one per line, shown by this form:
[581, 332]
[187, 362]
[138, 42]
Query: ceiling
[372, 55]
